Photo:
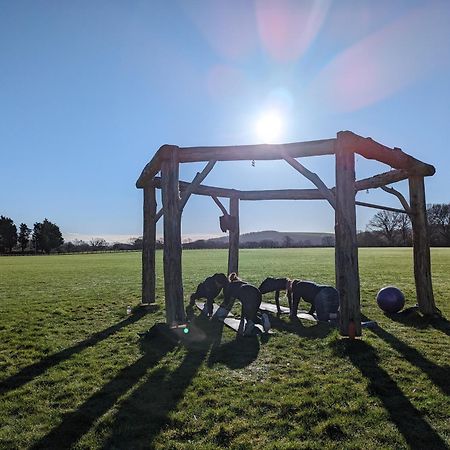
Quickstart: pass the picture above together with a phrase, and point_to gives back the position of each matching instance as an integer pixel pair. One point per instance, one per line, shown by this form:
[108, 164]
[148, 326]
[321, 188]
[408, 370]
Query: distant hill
[280, 237]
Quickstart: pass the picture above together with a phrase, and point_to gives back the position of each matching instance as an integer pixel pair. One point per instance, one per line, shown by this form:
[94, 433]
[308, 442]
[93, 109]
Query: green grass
[75, 373]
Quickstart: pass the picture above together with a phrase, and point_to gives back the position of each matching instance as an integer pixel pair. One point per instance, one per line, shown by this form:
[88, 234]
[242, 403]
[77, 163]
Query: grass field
[74, 371]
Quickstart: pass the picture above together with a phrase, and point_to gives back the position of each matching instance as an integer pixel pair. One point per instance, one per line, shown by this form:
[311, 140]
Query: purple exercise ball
[390, 299]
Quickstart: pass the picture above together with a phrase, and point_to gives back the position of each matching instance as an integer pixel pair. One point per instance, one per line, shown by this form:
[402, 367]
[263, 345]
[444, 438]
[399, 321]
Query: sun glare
[269, 127]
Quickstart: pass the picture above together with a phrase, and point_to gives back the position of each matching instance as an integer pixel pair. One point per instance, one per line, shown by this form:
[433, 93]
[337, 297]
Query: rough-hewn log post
[173, 282]
[233, 249]
[149, 246]
[422, 260]
[347, 273]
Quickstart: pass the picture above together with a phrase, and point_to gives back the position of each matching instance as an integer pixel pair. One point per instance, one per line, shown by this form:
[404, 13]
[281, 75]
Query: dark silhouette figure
[250, 298]
[209, 289]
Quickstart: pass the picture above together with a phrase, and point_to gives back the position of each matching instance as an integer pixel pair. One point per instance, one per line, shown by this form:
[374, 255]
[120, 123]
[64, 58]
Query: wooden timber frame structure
[176, 193]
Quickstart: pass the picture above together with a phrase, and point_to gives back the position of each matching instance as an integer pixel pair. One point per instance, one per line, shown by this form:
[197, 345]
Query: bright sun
[269, 126]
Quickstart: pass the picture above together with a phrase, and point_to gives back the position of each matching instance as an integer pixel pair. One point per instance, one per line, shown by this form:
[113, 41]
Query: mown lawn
[74, 371]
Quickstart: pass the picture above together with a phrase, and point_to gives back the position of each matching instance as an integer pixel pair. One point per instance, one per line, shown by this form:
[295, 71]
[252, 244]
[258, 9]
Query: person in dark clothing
[324, 300]
[209, 289]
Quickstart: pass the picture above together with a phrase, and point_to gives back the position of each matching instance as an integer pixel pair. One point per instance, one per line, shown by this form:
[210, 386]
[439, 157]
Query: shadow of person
[415, 429]
[294, 325]
[235, 354]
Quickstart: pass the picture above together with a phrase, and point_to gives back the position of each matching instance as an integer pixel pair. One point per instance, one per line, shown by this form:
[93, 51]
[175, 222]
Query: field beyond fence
[76, 371]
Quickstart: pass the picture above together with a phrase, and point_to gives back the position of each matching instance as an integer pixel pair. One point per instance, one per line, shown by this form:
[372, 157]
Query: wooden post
[149, 246]
[421, 247]
[233, 248]
[173, 282]
[347, 273]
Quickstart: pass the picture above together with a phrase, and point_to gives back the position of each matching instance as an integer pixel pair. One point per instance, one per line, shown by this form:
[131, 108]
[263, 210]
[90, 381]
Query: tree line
[45, 236]
[393, 229]
[386, 228]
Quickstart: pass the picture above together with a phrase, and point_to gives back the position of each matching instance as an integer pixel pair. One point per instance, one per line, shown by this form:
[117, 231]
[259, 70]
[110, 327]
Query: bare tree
[98, 244]
[404, 229]
[439, 219]
[387, 223]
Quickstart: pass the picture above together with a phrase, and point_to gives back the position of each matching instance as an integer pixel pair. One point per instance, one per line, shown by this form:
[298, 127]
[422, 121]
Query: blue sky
[89, 90]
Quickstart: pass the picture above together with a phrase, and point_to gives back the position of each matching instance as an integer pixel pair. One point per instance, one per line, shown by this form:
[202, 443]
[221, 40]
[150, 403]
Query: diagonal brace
[195, 183]
[199, 177]
[399, 195]
[314, 178]
[220, 205]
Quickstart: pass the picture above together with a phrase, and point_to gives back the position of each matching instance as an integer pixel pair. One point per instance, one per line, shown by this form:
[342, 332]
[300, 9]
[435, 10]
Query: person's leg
[193, 298]
[295, 301]
[277, 301]
[209, 306]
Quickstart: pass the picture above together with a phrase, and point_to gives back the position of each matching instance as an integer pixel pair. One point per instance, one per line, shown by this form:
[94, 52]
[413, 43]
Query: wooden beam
[421, 247]
[381, 180]
[282, 194]
[203, 189]
[386, 208]
[366, 147]
[220, 205]
[287, 194]
[173, 282]
[274, 194]
[149, 246]
[399, 195]
[199, 177]
[346, 249]
[257, 152]
[314, 178]
[154, 166]
[233, 249]
[393, 157]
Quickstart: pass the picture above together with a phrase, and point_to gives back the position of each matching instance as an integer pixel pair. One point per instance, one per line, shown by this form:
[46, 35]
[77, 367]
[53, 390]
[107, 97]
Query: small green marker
[185, 330]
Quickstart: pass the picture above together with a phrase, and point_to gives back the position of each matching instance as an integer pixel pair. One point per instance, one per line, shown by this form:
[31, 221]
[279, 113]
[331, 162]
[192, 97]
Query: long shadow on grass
[437, 374]
[408, 420]
[34, 370]
[441, 324]
[235, 354]
[412, 318]
[75, 424]
[316, 331]
[146, 411]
